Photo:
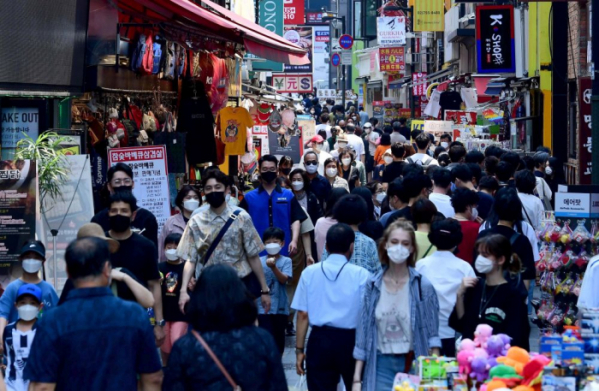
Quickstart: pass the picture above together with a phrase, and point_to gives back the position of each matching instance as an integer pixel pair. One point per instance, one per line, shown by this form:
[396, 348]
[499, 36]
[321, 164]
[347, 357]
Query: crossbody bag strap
[220, 235]
[427, 251]
[216, 361]
[527, 216]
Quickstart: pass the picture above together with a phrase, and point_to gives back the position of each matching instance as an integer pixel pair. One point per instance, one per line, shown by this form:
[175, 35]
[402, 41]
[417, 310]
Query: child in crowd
[277, 271]
[18, 336]
[171, 273]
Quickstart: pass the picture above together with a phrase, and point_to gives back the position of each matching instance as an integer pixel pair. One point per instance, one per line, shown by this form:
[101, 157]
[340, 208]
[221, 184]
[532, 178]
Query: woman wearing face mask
[300, 185]
[464, 202]
[346, 158]
[384, 145]
[378, 196]
[492, 300]
[285, 165]
[386, 339]
[188, 200]
[332, 170]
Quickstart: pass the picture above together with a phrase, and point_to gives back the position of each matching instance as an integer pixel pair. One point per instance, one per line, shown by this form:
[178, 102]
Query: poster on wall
[495, 47]
[16, 123]
[150, 173]
[260, 132]
[284, 135]
[302, 37]
[67, 214]
[585, 138]
[391, 30]
[270, 16]
[294, 11]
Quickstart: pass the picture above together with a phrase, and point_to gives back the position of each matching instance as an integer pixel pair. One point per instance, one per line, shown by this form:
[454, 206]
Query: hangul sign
[419, 83]
[496, 50]
[585, 147]
[461, 117]
[292, 83]
[392, 59]
[326, 94]
[314, 17]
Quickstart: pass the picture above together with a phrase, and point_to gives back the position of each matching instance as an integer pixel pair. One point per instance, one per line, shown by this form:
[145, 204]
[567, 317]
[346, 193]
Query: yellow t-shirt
[424, 245]
[234, 123]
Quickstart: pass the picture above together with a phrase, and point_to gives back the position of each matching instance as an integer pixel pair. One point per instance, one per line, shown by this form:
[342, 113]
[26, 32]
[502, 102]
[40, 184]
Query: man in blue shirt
[94, 341]
[272, 206]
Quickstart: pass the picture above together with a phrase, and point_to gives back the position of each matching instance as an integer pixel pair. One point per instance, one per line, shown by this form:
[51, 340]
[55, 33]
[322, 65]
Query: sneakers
[289, 331]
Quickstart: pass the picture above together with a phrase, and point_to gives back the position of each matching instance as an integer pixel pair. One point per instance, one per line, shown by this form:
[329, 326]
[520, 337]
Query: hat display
[95, 231]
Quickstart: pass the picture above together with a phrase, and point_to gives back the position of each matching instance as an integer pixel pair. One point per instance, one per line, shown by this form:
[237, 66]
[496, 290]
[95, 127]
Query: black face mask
[269, 176]
[123, 189]
[286, 171]
[215, 199]
[120, 223]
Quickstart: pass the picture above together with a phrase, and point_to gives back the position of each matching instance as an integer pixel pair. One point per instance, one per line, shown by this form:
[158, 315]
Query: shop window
[572, 119]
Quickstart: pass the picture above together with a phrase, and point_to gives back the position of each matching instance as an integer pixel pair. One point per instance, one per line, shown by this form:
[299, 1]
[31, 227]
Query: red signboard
[585, 157]
[419, 83]
[392, 60]
[461, 117]
[294, 11]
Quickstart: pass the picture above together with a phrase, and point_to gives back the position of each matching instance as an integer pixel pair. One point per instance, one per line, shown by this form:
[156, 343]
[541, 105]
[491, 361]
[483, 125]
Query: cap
[96, 231]
[317, 139]
[30, 289]
[34, 246]
[367, 125]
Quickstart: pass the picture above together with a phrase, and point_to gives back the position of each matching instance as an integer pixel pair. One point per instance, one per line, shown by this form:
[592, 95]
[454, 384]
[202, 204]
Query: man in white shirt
[355, 142]
[531, 204]
[324, 124]
[328, 298]
[439, 196]
[446, 272]
[589, 292]
[423, 142]
[372, 138]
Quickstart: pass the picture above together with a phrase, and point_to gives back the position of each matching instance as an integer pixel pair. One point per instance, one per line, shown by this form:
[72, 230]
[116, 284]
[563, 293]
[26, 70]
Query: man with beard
[120, 179]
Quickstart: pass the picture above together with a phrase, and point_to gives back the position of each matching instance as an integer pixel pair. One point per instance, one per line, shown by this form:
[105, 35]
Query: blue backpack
[138, 53]
[157, 48]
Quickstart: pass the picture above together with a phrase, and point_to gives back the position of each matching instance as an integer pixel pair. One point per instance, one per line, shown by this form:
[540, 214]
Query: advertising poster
[429, 15]
[321, 53]
[260, 132]
[67, 214]
[302, 37]
[18, 200]
[391, 30]
[17, 122]
[460, 117]
[284, 135]
[585, 135]
[392, 60]
[150, 174]
[294, 11]
[495, 47]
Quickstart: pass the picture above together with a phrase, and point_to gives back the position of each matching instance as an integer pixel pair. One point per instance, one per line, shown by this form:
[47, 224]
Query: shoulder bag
[220, 235]
[216, 361]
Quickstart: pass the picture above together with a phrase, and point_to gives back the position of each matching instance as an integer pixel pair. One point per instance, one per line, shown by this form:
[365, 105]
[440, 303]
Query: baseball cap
[368, 125]
[34, 246]
[317, 139]
[31, 290]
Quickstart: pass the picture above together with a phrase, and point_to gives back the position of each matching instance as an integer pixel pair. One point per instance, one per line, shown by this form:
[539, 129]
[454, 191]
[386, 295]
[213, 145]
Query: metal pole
[343, 67]
[595, 98]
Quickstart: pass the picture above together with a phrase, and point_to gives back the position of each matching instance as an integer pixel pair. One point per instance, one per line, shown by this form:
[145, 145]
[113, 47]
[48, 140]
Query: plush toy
[467, 344]
[480, 352]
[506, 343]
[506, 374]
[494, 385]
[480, 369]
[465, 358]
[533, 371]
[433, 369]
[516, 357]
[482, 334]
[495, 346]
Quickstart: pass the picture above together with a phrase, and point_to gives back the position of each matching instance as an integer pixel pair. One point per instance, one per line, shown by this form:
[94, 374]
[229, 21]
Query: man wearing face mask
[33, 255]
[317, 143]
[319, 185]
[120, 179]
[355, 142]
[465, 202]
[222, 234]
[445, 140]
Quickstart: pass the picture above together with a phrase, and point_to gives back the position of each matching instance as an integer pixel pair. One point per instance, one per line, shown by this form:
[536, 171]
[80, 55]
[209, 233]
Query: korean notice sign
[392, 60]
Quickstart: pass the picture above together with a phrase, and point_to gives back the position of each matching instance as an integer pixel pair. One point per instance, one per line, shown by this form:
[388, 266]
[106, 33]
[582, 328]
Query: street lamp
[328, 16]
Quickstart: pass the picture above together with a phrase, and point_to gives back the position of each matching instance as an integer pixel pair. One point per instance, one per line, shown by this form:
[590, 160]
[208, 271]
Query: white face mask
[297, 186]
[28, 312]
[346, 161]
[311, 169]
[368, 130]
[398, 253]
[474, 214]
[483, 265]
[32, 265]
[388, 159]
[444, 144]
[171, 254]
[273, 248]
[342, 145]
[227, 198]
[191, 205]
[548, 170]
[380, 197]
[331, 172]
[317, 147]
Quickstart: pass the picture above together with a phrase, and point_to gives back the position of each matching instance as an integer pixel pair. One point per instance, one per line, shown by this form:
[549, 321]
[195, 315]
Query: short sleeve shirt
[240, 242]
[234, 123]
[278, 292]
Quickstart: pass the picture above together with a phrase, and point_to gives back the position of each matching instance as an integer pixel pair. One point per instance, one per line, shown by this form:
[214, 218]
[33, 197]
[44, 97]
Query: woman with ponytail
[491, 299]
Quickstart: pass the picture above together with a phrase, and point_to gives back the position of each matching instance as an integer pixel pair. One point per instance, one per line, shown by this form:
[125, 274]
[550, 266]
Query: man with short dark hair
[324, 124]
[445, 140]
[120, 179]
[394, 170]
[328, 299]
[397, 197]
[416, 185]
[397, 136]
[94, 341]
[440, 195]
[456, 153]
[319, 185]
[355, 142]
[504, 172]
[477, 157]
[422, 157]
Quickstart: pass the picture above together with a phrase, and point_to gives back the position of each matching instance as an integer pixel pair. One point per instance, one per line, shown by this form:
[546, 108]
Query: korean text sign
[429, 15]
[150, 174]
[17, 122]
[392, 59]
[585, 136]
[495, 48]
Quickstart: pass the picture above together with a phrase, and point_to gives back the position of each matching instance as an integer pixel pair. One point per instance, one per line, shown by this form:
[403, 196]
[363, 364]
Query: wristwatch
[299, 350]
[265, 292]
[160, 323]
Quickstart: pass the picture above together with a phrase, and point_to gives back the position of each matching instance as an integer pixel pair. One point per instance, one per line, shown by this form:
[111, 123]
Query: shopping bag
[301, 384]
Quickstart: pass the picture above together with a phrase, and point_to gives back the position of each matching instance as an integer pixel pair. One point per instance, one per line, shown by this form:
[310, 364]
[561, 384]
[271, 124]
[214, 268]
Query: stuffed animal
[505, 374]
[480, 369]
[506, 343]
[482, 334]
[533, 371]
[465, 358]
[495, 385]
[495, 346]
[480, 352]
[467, 344]
[516, 357]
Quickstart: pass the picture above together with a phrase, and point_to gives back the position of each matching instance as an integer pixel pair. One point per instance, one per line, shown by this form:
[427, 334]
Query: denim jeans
[387, 366]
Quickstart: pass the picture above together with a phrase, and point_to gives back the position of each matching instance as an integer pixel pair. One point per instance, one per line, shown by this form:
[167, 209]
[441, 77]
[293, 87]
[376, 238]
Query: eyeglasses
[125, 182]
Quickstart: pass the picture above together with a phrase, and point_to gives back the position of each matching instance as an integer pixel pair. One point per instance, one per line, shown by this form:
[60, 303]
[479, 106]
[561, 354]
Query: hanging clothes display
[233, 123]
[450, 100]
[433, 107]
[469, 97]
[219, 91]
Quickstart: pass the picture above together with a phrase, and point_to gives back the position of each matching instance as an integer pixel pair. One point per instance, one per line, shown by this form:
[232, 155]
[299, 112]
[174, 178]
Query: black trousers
[330, 355]
[275, 324]
[448, 347]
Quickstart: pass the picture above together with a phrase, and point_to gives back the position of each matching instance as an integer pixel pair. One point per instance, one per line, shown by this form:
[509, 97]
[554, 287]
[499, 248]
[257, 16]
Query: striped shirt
[424, 316]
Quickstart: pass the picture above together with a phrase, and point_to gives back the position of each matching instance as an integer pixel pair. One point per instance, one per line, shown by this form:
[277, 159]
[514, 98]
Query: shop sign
[572, 204]
[326, 94]
[321, 41]
[17, 122]
[585, 147]
[284, 83]
[496, 51]
[18, 204]
[302, 37]
[392, 59]
[294, 11]
[314, 17]
[391, 30]
[419, 83]
[271, 18]
[429, 15]
[460, 117]
[438, 127]
[150, 172]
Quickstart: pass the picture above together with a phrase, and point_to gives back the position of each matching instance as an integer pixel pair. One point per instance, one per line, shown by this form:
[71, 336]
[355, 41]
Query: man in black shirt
[416, 185]
[120, 179]
[394, 170]
[136, 253]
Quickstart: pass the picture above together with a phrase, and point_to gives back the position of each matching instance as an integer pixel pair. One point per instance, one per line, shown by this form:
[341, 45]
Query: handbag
[216, 360]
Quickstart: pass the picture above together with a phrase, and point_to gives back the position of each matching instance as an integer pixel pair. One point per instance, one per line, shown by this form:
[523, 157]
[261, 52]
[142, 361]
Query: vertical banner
[429, 15]
[391, 30]
[302, 37]
[495, 47]
[585, 149]
[150, 174]
[16, 123]
[419, 83]
[294, 11]
[270, 17]
[321, 54]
